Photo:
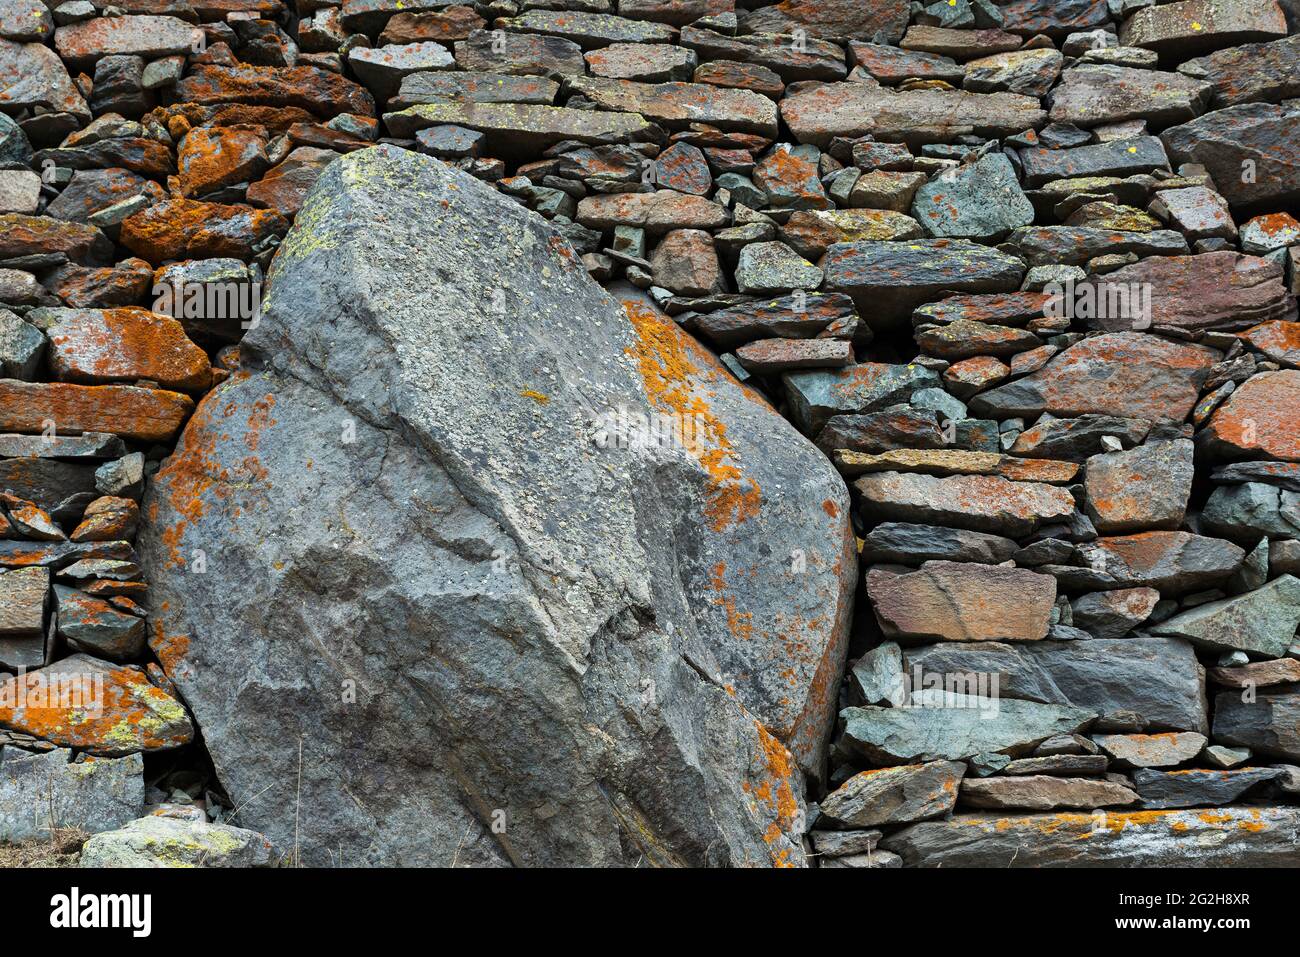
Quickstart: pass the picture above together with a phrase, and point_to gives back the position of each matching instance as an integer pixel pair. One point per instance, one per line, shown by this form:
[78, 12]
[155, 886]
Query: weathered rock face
[504, 623]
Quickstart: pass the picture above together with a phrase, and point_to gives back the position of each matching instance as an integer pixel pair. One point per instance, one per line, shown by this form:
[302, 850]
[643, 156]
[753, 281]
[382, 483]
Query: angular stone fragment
[1261, 416]
[897, 795]
[1056, 18]
[1043, 793]
[864, 387]
[40, 235]
[1219, 290]
[95, 346]
[903, 543]
[382, 70]
[515, 129]
[1196, 788]
[588, 30]
[982, 200]
[1197, 211]
[770, 356]
[977, 502]
[449, 86]
[1232, 837]
[156, 841]
[96, 627]
[677, 105]
[40, 791]
[789, 317]
[323, 93]
[1257, 674]
[519, 54]
[1152, 750]
[1028, 72]
[832, 19]
[643, 62]
[1075, 439]
[1142, 488]
[962, 601]
[1120, 158]
[1251, 151]
[185, 229]
[32, 76]
[88, 704]
[1061, 765]
[948, 727]
[1173, 562]
[1267, 724]
[959, 44]
[773, 267]
[1091, 95]
[1189, 27]
[685, 263]
[23, 593]
[1128, 374]
[964, 340]
[853, 109]
[812, 232]
[925, 461]
[81, 44]
[1262, 621]
[1078, 245]
[1157, 678]
[658, 212]
[1113, 614]
[1250, 73]
[891, 66]
[1245, 512]
[446, 25]
[888, 280]
[149, 415]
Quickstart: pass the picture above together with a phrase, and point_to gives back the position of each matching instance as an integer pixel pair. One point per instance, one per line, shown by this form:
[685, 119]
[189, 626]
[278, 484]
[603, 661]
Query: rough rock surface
[554, 555]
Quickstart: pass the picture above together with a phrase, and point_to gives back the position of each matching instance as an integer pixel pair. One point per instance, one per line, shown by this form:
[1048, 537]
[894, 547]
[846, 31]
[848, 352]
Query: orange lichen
[676, 370]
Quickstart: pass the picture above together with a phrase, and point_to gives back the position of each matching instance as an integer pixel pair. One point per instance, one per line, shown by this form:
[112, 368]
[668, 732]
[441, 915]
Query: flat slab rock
[1197, 788]
[1231, 837]
[981, 503]
[962, 601]
[559, 622]
[1126, 374]
[916, 116]
[953, 727]
[896, 795]
[158, 841]
[1043, 793]
[1262, 416]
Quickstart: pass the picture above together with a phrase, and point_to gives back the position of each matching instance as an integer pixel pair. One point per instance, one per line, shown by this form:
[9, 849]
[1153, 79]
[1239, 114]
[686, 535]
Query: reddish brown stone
[212, 158]
[323, 93]
[741, 76]
[1257, 674]
[84, 287]
[963, 340]
[97, 346]
[32, 235]
[1126, 374]
[1262, 416]
[453, 23]
[657, 212]
[980, 503]
[962, 601]
[777, 355]
[108, 519]
[1279, 340]
[969, 376]
[149, 415]
[184, 229]
[285, 187]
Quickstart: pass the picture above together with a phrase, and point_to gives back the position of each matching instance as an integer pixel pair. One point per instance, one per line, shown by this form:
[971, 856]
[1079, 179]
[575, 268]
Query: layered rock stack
[1025, 271]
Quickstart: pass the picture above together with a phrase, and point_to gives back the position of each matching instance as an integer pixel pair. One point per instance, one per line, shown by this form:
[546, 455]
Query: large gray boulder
[507, 572]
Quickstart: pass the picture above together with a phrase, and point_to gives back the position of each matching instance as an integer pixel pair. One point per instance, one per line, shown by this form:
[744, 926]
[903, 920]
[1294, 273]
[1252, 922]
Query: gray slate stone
[1197, 788]
[982, 200]
[1262, 621]
[157, 841]
[93, 794]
